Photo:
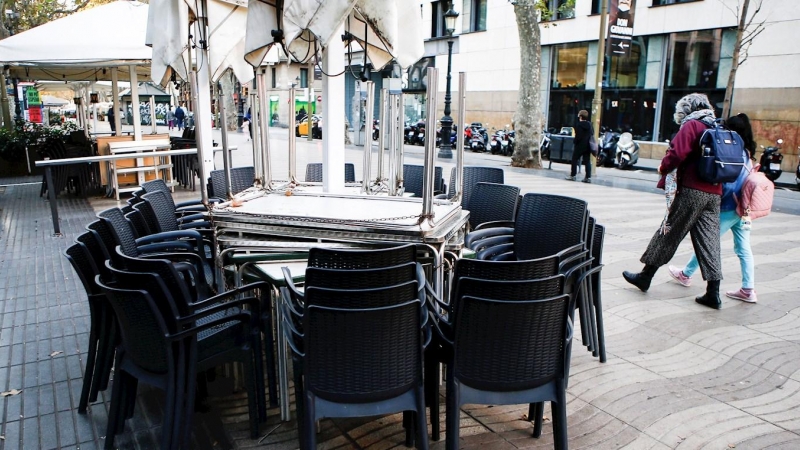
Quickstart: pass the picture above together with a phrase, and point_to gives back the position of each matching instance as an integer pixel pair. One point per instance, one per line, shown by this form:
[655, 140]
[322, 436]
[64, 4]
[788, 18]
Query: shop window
[596, 6]
[561, 9]
[473, 15]
[628, 71]
[693, 59]
[303, 78]
[569, 66]
[438, 9]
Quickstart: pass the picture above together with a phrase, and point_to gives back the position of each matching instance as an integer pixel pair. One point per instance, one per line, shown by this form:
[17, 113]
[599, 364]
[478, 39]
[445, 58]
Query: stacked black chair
[163, 348]
[158, 185]
[491, 204]
[373, 374]
[509, 347]
[314, 173]
[472, 176]
[413, 176]
[241, 179]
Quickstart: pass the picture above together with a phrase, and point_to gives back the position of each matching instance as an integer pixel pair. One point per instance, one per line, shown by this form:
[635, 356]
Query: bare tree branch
[749, 39]
[735, 13]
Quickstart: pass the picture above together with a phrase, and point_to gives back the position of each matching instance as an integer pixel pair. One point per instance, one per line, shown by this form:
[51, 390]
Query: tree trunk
[528, 117]
[726, 106]
[226, 81]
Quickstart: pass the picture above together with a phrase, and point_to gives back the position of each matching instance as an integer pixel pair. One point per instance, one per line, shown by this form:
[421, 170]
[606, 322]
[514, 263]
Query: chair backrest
[413, 176]
[103, 235]
[121, 230]
[361, 258]
[510, 290]
[597, 244]
[360, 279]
[143, 328]
[96, 251]
[135, 276]
[361, 298]
[503, 345]
[140, 226]
[157, 185]
[164, 208]
[241, 179]
[362, 355]
[84, 266]
[472, 176]
[314, 172]
[148, 215]
[177, 285]
[547, 224]
[507, 270]
[491, 202]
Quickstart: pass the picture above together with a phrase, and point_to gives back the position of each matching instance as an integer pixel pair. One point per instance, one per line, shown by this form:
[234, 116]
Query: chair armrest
[165, 247]
[243, 316]
[500, 248]
[209, 305]
[293, 291]
[479, 235]
[191, 217]
[496, 224]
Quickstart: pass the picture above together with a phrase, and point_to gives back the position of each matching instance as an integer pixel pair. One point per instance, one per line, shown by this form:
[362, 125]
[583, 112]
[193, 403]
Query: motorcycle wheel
[601, 159]
[623, 164]
[773, 175]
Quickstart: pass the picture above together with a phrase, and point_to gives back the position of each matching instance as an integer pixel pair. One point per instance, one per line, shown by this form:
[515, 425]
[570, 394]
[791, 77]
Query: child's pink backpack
[755, 200]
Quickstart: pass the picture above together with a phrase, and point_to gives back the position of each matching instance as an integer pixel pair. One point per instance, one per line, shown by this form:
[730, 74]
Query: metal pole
[115, 101]
[94, 110]
[197, 123]
[6, 107]
[445, 149]
[382, 122]
[137, 120]
[310, 83]
[430, 144]
[153, 124]
[263, 98]
[51, 197]
[292, 137]
[391, 124]
[462, 114]
[597, 102]
[368, 147]
[226, 153]
[256, 136]
[398, 124]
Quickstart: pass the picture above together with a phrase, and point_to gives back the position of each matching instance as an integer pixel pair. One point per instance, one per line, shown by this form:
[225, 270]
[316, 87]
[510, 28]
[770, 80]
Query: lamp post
[446, 149]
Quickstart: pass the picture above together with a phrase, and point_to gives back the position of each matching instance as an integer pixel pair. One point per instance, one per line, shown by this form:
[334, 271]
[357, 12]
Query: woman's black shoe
[641, 280]
[709, 300]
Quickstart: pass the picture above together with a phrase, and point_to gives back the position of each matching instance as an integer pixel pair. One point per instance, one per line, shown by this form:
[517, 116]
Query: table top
[273, 271]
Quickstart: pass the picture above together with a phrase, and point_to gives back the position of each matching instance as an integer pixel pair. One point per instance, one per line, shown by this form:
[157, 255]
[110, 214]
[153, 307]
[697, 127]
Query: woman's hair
[740, 123]
[689, 104]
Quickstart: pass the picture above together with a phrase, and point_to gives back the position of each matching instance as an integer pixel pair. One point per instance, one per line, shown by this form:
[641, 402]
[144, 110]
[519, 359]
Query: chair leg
[536, 413]
[432, 394]
[114, 412]
[258, 372]
[559, 411]
[272, 383]
[408, 424]
[598, 311]
[592, 327]
[452, 413]
[422, 420]
[252, 402]
[91, 358]
[299, 399]
[309, 440]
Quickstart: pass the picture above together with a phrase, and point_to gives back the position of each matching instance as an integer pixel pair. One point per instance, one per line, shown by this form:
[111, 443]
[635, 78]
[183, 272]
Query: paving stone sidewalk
[678, 376]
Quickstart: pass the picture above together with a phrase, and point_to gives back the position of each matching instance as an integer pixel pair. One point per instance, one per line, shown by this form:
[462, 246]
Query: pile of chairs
[155, 318]
[367, 333]
[80, 179]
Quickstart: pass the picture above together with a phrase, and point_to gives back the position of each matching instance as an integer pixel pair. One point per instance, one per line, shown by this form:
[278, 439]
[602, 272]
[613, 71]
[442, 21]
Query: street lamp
[446, 149]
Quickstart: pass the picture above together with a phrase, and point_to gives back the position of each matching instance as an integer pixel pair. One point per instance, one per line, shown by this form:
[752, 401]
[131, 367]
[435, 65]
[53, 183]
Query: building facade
[677, 47]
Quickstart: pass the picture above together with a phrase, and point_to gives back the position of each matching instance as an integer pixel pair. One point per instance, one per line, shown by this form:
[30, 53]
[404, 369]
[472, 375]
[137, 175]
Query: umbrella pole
[333, 135]
[391, 126]
[153, 124]
[382, 122]
[115, 101]
[94, 111]
[202, 99]
[256, 137]
[137, 119]
[292, 137]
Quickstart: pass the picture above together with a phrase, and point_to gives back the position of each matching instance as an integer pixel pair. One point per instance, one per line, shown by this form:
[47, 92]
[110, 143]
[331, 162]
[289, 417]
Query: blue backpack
[721, 158]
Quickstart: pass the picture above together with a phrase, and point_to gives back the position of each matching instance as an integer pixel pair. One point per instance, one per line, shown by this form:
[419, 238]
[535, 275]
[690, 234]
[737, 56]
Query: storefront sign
[620, 27]
[32, 95]
[35, 114]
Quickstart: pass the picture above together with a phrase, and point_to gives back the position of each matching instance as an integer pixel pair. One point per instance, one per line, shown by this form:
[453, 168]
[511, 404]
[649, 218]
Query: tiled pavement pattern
[678, 375]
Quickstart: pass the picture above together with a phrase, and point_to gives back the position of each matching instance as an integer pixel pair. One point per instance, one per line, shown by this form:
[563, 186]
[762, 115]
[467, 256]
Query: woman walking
[695, 209]
[730, 220]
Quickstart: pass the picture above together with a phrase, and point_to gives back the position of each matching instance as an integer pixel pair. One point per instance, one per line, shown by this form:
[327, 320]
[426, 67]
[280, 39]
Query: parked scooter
[771, 160]
[627, 151]
[607, 148]
[501, 143]
[375, 129]
[419, 137]
[477, 141]
[544, 146]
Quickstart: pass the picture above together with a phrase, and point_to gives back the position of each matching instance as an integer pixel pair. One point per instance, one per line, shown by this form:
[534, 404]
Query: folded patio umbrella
[306, 27]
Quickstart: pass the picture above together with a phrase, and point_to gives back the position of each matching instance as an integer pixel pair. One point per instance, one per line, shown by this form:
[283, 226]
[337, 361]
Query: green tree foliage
[33, 13]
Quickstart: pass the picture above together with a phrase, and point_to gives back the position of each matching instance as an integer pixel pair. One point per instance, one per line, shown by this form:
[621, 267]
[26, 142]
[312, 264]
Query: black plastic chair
[168, 219]
[241, 179]
[158, 185]
[376, 351]
[491, 202]
[472, 176]
[314, 172]
[595, 290]
[509, 352]
[413, 176]
[166, 350]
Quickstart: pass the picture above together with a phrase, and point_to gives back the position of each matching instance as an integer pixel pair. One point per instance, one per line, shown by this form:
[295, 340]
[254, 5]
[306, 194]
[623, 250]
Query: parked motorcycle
[419, 137]
[501, 143]
[477, 142]
[770, 161]
[627, 151]
[797, 172]
[409, 132]
[544, 146]
[606, 152]
[375, 129]
[453, 132]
